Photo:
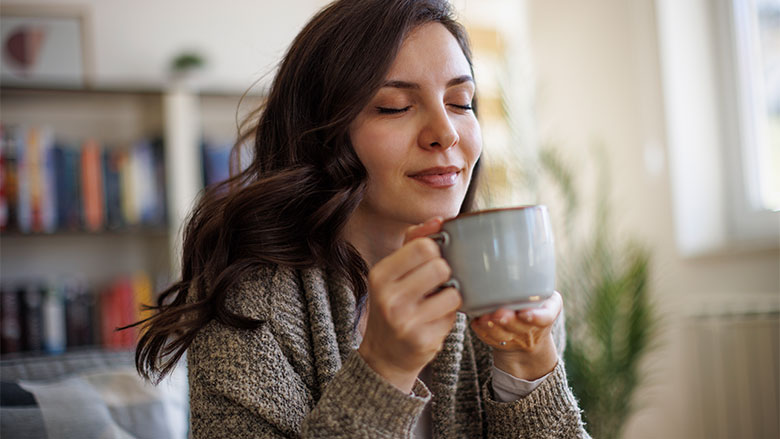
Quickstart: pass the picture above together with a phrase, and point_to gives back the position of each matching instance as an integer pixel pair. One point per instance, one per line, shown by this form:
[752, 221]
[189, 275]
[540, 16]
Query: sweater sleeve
[549, 411]
[358, 403]
[241, 385]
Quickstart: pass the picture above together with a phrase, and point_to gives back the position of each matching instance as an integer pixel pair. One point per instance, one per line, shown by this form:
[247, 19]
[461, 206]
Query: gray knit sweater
[298, 375]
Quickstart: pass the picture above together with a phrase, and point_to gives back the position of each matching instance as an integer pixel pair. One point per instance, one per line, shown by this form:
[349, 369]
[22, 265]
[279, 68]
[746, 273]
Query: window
[720, 66]
[757, 48]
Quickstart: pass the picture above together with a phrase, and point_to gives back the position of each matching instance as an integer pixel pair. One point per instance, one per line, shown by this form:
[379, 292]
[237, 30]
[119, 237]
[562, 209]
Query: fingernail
[490, 324]
[503, 320]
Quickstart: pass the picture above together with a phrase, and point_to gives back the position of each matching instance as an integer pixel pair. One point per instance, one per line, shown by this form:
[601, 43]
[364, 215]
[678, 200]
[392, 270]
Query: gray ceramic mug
[502, 258]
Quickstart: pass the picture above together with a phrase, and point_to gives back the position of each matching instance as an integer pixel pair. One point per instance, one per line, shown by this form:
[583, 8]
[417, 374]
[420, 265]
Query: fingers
[542, 315]
[490, 332]
[413, 254]
[444, 302]
[403, 262]
[419, 282]
[510, 334]
[545, 314]
[429, 227]
[519, 330]
[440, 327]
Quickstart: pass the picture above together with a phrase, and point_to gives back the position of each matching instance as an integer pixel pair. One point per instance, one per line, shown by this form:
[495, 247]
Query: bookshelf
[105, 261]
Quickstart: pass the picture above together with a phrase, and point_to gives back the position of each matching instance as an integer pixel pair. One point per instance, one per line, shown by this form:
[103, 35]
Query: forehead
[430, 51]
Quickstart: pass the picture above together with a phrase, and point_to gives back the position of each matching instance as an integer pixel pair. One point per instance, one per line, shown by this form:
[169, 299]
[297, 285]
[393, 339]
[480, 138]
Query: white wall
[133, 42]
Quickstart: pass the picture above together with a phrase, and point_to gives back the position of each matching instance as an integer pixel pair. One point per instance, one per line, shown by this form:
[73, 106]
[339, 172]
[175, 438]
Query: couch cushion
[89, 394]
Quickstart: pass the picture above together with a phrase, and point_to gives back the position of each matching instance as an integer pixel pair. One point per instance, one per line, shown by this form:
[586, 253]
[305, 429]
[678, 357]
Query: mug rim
[494, 210]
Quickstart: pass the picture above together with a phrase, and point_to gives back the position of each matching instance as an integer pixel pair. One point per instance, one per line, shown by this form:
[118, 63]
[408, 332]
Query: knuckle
[428, 248]
[397, 316]
[457, 300]
[443, 269]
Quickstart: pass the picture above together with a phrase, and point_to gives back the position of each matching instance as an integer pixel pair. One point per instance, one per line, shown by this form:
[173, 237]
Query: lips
[437, 177]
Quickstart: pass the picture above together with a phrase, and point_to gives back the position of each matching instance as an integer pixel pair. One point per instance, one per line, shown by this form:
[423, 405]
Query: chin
[446, 212]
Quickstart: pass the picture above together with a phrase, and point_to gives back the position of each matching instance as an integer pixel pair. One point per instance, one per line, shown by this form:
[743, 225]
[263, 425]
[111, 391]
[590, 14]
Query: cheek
[378, 147]
[471, 139]
[364, 141]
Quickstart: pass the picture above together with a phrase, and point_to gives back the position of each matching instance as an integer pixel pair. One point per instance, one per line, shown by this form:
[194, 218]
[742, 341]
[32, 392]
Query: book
[23, 194]
[48, 176]
[68, 188]
[159, 170]
[142, 295]
[10, 326]
[8, 177]
[113, 188]
[92, 186]
[127, 188]
[79, 314]
[31, 317]
[147, 200]
[3, 180]
[53, 314]
[116, 310]
[216, 162]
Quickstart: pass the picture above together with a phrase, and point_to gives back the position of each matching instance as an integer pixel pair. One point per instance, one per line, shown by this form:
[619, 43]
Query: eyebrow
[414, 86]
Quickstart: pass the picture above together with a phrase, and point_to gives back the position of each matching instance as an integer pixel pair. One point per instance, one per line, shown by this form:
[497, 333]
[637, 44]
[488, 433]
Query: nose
[438, 132]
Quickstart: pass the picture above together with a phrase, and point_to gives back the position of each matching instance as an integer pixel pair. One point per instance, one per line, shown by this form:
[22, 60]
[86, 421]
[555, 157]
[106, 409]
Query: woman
[309, 301]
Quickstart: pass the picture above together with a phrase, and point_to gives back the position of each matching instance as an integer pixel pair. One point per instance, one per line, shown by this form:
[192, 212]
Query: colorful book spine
[145, 185]
[92, 186]
[35, 178]
[216, 162]
[143, 295]
[68, 314]
[24, 204]
[53, 311]
[127, 312]
[49, 220]
[3, 180]
[68, 191]
[9, 177]
[159, 170]
[116, 310]
[113, 183]
[31, 318]
[10, 325]
[79, 314]
[128, 195]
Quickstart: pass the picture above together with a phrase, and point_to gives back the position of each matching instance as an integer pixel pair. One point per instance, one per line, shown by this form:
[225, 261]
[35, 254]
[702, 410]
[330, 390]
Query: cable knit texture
[298, 375]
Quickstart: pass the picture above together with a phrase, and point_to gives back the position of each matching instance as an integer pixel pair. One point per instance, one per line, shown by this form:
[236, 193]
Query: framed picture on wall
[45, 46]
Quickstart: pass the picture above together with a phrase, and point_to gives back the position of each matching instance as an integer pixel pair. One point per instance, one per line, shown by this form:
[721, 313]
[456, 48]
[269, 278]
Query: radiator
[733, 369]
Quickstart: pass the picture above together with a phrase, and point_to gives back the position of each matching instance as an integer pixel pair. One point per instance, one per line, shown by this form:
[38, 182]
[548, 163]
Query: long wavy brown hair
[289, 206]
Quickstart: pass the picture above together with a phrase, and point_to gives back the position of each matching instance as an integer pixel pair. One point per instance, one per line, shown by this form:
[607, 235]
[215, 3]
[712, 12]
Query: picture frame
[45, 46]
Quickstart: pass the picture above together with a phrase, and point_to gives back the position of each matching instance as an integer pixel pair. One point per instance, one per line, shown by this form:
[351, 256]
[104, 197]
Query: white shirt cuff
[508, 388]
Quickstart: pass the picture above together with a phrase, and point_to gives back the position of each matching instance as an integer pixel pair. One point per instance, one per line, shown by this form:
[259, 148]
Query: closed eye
[463, 107]
[386, 110]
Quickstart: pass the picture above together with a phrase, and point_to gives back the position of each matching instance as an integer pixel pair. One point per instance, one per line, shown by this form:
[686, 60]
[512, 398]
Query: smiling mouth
[437, 177]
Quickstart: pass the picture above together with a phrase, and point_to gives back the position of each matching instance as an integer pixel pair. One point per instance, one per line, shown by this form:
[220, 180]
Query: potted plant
[610, 320]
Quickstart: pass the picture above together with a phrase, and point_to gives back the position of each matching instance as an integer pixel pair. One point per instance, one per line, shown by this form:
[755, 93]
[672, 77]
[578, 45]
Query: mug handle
[443, 240]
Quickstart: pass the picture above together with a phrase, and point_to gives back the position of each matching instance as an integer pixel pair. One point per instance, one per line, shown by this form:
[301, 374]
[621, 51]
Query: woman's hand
[522, 341]
[406, 323]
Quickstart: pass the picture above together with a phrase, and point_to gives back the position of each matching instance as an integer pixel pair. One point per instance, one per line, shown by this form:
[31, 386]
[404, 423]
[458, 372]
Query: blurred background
[650, 127]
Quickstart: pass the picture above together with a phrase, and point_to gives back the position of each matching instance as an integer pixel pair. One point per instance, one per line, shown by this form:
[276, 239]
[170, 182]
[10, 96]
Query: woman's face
[418, 137]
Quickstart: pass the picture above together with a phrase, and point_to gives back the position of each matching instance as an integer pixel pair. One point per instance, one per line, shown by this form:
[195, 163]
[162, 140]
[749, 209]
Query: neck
[374, 236]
